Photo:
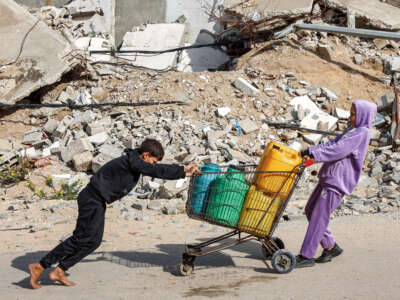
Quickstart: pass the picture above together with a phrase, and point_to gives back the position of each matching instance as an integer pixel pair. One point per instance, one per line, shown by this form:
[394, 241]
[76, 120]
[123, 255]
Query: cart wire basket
[229, 197]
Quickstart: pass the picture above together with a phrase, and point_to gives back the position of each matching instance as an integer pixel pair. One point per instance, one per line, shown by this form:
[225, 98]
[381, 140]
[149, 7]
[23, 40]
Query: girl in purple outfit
[342, 160]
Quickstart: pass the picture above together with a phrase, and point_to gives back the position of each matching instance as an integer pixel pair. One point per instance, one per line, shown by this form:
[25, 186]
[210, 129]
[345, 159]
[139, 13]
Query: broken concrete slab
[271, 8]
[82, 161]
[43, 59]
[314, 121]
[370, 12]
[245, 87]
[248, 126]
[155, 37]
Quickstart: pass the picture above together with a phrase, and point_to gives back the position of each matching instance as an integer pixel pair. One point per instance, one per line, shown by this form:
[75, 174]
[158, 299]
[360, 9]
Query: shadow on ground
[166, 256]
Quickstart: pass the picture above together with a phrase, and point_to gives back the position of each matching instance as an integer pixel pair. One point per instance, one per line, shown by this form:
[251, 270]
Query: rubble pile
[222, 117]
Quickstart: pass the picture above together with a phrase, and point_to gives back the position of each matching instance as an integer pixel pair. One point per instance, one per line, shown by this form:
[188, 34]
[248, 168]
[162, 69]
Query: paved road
[368, 269]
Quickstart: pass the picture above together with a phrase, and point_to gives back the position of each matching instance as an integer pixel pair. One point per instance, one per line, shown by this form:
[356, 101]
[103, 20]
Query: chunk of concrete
[270, 8]
[32, 136]
[99, 138]
[50, 126]
[248, 126]
[43, 59]
[83, 161]
[304, 106]
[245, 87]
[313, 121]
[369, 12]
[154, 37]
[75, 147]
[341, 113]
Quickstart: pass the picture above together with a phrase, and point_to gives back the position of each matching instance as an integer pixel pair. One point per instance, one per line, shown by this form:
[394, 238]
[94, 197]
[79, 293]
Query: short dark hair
[152, 146]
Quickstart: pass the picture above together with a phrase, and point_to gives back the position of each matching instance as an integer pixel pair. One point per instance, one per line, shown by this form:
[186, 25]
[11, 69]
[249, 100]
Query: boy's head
[362, 113]
[151, 151]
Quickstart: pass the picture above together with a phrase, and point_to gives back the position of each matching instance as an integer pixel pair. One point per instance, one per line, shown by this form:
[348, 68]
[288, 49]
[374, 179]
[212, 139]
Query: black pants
[86, 237]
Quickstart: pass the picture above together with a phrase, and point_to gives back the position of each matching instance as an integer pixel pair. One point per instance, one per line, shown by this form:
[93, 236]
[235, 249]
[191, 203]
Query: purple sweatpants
[322, 203]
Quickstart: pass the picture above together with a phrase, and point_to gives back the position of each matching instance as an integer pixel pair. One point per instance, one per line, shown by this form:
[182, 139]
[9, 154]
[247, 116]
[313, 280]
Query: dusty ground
[142, 265]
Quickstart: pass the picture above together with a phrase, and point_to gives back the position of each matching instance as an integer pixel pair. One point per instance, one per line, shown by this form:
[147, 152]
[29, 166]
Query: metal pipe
[351, 31]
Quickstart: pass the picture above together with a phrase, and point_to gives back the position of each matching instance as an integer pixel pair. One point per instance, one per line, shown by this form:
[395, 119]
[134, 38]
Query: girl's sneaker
[327, 255]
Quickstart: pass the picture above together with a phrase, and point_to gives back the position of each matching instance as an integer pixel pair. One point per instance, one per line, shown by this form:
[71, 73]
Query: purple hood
[344, 156]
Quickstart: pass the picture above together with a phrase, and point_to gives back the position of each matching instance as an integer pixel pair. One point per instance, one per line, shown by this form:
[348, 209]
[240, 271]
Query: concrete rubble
[35, 55]
[230, 112]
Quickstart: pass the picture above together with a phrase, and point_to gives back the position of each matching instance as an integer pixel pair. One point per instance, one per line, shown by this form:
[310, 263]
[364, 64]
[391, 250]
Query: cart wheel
[283, 261]
[278, 242]
[185, 269]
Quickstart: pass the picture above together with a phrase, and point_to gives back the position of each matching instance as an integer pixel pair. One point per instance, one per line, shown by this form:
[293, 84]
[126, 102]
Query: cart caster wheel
[278, 242]
[184, 269]
[283, 261]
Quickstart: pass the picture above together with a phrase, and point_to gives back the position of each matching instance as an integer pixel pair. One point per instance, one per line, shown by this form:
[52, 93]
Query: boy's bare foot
[36, 271]
[59, 275]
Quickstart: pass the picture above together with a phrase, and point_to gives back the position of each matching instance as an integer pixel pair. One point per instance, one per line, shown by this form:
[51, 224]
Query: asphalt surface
[369, 268]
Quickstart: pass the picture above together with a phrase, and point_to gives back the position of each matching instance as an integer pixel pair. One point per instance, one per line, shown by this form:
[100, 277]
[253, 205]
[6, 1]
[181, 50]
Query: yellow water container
[277, 157]
[258, 213]
[262, 160]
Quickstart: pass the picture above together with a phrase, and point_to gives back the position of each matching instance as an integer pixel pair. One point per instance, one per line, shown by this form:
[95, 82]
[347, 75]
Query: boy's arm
[163, 171]
[338, 149]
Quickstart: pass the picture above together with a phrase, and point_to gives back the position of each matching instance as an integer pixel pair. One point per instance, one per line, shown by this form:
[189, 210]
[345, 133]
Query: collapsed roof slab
[155, 37]
[42, 59]
[270, 8]
[371, 12]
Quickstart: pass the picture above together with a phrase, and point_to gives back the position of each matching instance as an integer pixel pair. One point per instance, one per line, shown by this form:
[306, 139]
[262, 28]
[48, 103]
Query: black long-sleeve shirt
[117, 178]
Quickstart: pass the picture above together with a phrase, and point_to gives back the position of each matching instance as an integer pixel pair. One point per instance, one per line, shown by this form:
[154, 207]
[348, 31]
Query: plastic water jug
[226, 198]
[201, 187]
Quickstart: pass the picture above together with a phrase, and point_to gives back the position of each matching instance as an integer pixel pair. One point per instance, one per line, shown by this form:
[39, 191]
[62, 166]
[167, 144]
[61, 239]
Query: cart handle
[308, 162]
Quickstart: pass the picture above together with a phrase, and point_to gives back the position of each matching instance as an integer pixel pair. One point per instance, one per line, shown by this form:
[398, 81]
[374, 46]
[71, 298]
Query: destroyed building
[85, 79]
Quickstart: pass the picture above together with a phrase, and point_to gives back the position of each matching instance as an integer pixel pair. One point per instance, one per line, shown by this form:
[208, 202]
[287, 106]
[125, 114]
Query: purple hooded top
[344, 156]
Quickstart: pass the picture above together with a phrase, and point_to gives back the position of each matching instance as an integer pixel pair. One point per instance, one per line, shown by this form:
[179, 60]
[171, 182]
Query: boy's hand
[191, 169]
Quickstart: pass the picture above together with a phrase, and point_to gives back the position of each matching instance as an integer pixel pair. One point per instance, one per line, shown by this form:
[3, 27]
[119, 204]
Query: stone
[325, 52]
[172, 188]
[380, 43]
[223, 111]
[99, 138]
[239, 156]
[248, 126]
[3, 215]
[50, 126]
[385, 102]
[110, 150]
[143, 217]
[170, 209]
[342, 114]
[358, 59]
[329, 94]
[5, 145]
[154, 37]
[83, 161]
[32, 136]
[75, 147]
[45, 62]
[391, 64]
[94, 128]
[140, 204]
[246, 87]
[14, 207]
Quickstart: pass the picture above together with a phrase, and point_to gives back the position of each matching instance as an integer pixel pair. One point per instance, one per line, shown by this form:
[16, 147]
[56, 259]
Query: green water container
[227, 195]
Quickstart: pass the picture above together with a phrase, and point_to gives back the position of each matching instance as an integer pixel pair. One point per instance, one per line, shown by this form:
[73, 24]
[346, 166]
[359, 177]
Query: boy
[112, 182]
[343, 159]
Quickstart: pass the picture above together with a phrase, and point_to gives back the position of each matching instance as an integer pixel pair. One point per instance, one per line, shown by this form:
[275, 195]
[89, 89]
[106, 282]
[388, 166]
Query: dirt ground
[141, 263]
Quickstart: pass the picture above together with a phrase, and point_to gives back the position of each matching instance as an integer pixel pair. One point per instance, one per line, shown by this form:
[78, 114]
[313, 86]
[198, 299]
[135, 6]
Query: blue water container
[200, 192]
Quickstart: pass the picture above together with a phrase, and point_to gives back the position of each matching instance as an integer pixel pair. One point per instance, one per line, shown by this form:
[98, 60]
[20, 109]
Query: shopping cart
[229, 197]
